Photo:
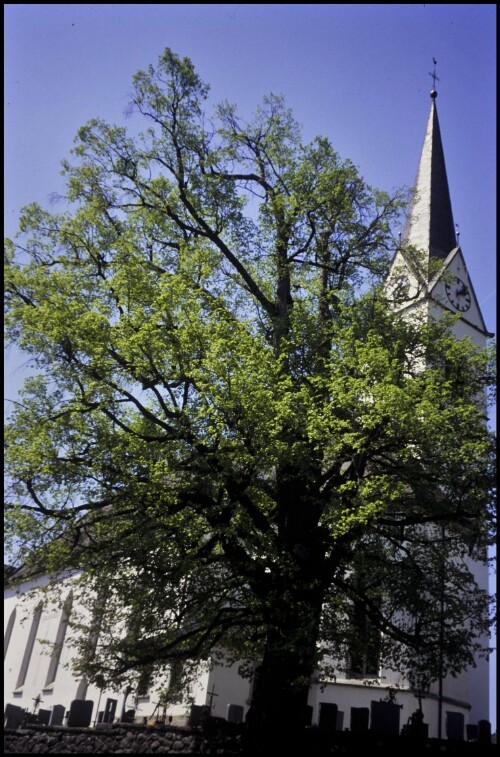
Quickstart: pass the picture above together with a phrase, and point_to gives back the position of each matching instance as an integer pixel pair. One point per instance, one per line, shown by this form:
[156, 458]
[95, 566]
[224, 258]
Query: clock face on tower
[458, 294]
[401, 287]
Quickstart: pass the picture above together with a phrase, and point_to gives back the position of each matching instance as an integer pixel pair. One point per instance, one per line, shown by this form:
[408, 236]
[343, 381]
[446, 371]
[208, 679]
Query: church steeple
[430, 228]
[430, 224]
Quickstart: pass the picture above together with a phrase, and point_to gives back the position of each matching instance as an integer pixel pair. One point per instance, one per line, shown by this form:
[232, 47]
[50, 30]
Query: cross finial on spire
[434, 79]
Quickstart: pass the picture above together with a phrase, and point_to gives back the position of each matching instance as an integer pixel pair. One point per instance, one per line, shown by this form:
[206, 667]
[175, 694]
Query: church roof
[430, 224]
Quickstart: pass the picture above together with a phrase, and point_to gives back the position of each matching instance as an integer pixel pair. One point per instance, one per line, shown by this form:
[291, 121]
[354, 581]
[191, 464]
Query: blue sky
[358, 74]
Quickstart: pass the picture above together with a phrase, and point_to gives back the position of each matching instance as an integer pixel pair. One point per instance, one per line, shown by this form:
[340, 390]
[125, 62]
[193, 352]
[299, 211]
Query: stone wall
[124, 739]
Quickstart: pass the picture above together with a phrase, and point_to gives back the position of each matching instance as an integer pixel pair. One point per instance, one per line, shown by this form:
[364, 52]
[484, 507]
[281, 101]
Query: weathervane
[434, 75]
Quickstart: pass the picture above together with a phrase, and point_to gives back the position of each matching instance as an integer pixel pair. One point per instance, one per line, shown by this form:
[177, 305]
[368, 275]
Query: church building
[38, 677]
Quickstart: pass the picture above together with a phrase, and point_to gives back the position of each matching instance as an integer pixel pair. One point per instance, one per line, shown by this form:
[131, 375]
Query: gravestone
[385, 718]
[359, 719]
[31, 718]
[472, 731]
[196, 715]
[57, 715]
[44, 716]
[109, 710]
[484, 732]
[80, 713]
[328, 712]
[129, 716]
[14, 716]
[454, 726]
[235, 713]
[416, 728]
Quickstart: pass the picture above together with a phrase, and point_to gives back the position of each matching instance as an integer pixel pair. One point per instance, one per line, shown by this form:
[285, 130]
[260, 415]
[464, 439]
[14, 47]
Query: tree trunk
[293, 599]
[278, 713]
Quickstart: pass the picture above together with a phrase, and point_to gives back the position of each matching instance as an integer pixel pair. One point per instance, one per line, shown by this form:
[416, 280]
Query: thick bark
[293, 603]
[278, 711]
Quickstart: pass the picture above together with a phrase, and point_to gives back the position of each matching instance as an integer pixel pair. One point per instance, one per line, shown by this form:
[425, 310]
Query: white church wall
[63, 689]
[19, 606]
[148, 708]
[348, 694]
[478, 677]
[228, 688]
[461, 329]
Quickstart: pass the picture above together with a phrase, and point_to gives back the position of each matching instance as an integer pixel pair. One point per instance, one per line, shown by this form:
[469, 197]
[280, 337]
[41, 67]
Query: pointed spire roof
[430, 221]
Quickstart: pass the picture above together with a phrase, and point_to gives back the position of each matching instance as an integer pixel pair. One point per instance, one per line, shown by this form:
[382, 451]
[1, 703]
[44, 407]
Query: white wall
[65, 687]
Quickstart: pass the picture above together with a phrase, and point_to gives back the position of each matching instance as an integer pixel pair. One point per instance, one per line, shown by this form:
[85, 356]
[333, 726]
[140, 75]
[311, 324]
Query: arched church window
[94, 630]
[365, 645]
[37, 614]
[58, 644]
[144, 683]
[8, 632]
